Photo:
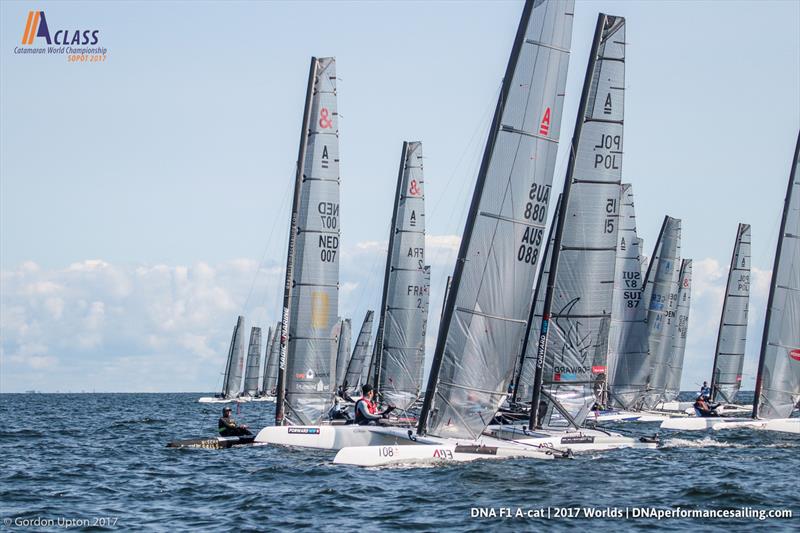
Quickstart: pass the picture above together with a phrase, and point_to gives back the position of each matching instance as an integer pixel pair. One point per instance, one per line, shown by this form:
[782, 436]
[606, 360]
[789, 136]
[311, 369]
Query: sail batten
[778, 380]
[498, 259]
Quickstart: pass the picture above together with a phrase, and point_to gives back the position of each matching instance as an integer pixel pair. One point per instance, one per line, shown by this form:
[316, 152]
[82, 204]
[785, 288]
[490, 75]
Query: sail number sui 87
[535, 211]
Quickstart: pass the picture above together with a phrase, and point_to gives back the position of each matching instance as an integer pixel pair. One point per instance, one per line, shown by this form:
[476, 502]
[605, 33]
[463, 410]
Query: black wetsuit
[228, 428]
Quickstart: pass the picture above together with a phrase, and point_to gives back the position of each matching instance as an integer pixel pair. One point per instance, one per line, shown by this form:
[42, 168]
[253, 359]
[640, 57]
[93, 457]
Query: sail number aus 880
[535, 211]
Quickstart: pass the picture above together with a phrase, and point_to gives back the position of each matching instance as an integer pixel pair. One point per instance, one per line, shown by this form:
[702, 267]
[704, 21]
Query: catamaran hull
[630, 416]
[784, 425]
[214, 443]
[695, 423]
[583, 440]
[212, 399]
[422, 454]
[331, 437]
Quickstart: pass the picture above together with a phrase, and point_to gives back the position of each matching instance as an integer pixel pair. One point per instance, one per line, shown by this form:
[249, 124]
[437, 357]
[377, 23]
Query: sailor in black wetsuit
[228, 426]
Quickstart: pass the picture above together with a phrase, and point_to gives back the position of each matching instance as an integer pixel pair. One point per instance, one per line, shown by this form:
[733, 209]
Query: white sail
[232, 384]
[264, 374]
[487, 307]
[726, 377]
[778, 381]
[674, 365]
[314, 301]
[253, 361]
[344, 349]
[627, 342]
[661, 310]
[271, 372]
[355, 368]
[575, 364]
[400, 341]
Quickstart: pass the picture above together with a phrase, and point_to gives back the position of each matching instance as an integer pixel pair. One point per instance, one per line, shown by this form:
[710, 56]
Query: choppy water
[94, 456]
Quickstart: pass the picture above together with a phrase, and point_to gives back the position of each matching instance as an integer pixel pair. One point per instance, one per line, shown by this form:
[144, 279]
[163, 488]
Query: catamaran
[777, 392]
[232, 379]
[354, 374]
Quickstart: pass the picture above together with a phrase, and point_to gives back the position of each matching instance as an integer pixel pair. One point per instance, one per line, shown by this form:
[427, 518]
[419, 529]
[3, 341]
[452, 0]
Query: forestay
[778, 381]
[232, 384]
[674, 366]
[314, 302]
[627, 339]
[575, 364]
[489, 300]
[726, 376]
[400, 342]
[253, 362]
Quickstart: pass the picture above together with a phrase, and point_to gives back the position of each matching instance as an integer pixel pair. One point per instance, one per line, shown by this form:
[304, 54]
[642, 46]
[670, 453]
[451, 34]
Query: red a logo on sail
[544, 125]
[795, 354]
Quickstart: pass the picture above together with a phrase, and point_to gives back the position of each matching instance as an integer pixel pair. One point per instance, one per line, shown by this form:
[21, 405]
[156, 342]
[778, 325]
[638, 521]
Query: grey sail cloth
[490, 295]
[661, 312]
[352, 377]
[313, 312]
[778, 381]
[267, 346]
[681, 325]
[726, 377]
[401, 329]
[627, 339]
[528, 362]
[575, 365]
[233, 373]
[426, 302]
[271, 373]
[253, 362]
[344, 349]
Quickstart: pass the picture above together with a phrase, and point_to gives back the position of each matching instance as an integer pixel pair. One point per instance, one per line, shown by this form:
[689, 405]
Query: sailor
[366, 410]
[228, 426]
[705, 390]
[702, 409]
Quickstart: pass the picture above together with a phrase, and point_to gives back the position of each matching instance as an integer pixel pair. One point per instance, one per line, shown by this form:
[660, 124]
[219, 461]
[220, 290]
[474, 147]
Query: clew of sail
[400, 341]
[314, 302]
[627, 339]
[674, 365]
[253, 362]
[726, 378]
[488, 304]
[778, 381]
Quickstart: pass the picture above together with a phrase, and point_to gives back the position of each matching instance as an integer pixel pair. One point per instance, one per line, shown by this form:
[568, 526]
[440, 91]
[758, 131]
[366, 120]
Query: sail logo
[544, 125]
[36, 26]
[795, 354]
[78, 45]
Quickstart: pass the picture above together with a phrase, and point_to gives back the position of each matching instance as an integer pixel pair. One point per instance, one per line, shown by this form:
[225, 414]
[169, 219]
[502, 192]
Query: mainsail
[355, 368]
[580, 288]
[400, 341]
[311, 293]
[778, 381]
[267, 347]
[726, 378]
[674, 365]
[232, 382]
[487, 307]
[271, 371]
[661, 310]
[344, 349]
[627, 339]
[253, 362]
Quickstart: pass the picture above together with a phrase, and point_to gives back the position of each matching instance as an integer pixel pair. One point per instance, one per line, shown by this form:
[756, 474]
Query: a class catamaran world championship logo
[77, 45]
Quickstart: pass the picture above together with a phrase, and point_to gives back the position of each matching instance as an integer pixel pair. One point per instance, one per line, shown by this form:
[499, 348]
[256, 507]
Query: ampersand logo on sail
[795, 354]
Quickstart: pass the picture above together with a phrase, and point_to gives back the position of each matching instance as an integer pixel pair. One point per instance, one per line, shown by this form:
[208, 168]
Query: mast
[229, 363]
[234, 382]
[267, 352]
[510, 213]
[792, 351]
[377, 348]
[290, 256]
[536, 298]
[444, 298]
[343, 350]
[726, 371]
[548, 297]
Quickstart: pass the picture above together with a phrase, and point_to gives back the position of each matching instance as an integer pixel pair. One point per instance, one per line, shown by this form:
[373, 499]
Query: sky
[144, 200]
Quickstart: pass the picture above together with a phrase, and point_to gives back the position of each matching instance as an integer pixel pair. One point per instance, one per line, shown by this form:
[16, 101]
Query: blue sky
[144, 200]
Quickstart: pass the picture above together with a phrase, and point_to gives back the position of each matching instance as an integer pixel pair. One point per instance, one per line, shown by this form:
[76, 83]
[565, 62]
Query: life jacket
[371, 408]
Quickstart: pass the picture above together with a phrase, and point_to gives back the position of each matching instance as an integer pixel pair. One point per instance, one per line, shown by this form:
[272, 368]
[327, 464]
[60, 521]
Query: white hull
[446, 452]
[695, 423]
[582, 440]
[329, 437]
[784, 425]
[214, 399]
[630, 416]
